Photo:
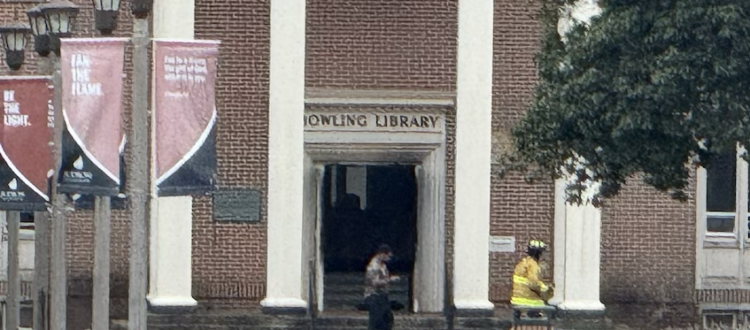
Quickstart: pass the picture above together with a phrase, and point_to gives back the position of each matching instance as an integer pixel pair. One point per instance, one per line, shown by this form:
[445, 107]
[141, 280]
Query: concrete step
[355, 278]
[251, 320]
[359, 296]
[352, 320]
[345, 290]
[467, 323]
[359, 289]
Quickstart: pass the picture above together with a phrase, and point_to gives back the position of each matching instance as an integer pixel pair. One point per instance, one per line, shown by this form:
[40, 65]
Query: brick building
[418, 94]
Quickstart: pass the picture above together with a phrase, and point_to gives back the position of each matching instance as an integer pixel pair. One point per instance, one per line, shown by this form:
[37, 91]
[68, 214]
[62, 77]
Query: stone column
[170, 260]
[577, 228]
[284, 282]
[577, 256]
[473, 156]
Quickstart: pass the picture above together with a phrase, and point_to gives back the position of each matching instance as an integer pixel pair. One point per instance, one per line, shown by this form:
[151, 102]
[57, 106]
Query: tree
[650, 88]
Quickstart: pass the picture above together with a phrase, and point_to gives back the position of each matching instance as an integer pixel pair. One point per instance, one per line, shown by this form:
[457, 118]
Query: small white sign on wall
[502, 244]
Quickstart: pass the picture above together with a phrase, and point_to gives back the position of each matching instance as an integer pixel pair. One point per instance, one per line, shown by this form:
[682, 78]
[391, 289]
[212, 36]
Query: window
[721, 197]
[722, 261]
[726, 198]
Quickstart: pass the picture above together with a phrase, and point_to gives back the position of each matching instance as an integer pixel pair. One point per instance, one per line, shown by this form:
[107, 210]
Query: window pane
[720, 224]
[721, 184]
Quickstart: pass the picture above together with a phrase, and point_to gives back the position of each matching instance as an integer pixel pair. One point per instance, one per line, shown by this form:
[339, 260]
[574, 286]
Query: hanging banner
[92, 72]
[184, 116]
[25, 136]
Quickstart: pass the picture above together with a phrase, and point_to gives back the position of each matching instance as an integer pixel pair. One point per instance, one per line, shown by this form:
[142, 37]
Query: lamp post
[39, 30]
[14, 41]
[53, 19]
[41, 283]
[105, 15]
[105, 20]
[58, 17]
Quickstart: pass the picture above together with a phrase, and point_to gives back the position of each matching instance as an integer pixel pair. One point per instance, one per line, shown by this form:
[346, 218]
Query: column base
[582, 307]
[473, 308]
[283, 306]
[169, 305]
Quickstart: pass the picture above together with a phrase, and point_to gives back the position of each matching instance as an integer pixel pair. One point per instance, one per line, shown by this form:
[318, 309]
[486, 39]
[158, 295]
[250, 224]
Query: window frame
[739, 236]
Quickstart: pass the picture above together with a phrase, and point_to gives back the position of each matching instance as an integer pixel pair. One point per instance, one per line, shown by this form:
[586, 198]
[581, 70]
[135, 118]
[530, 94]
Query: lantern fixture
[14, 41]
[59, 16]
[39, 30]
[141, 8]
[105, 15]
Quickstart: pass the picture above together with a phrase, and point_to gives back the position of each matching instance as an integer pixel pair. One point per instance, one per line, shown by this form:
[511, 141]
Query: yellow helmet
[537, 245]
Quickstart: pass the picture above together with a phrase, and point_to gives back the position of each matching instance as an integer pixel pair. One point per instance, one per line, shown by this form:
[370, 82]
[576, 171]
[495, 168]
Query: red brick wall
[516, 38]
[522, 210]
[517, 208]
[384, 44]
[229, 258]
[648, 247]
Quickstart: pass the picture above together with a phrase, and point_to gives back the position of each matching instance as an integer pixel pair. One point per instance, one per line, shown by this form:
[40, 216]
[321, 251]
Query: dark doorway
[363, 207]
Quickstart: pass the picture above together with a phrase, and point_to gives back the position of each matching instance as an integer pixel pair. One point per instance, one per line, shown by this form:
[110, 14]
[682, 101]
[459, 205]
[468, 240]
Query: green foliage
[651, 87]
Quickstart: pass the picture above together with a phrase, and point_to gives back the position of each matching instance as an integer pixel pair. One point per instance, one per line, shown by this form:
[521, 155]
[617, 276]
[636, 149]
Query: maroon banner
[28, 128]
[92, 71]
[184, 115]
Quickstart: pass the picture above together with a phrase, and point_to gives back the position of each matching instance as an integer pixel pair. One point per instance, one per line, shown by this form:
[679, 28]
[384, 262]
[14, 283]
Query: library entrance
[364, 206]
[367, 185]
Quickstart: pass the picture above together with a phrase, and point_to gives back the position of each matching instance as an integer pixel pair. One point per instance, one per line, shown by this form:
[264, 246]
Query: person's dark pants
[380, 316]
[395, 305]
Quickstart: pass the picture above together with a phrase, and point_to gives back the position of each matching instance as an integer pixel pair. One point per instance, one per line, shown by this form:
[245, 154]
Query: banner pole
[58, 267]
[100, 303]
[41, 270]
[138, 178]
[13, 312]
[42, 225]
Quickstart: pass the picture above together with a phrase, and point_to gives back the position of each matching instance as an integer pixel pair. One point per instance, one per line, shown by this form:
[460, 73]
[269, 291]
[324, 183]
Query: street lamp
[59, 16]
[39, 30]
[105, 15]
[14, 40]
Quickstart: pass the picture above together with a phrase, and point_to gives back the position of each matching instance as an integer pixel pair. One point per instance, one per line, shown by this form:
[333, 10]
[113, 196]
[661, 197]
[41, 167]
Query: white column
[577, 274]
[286, 156]
[174, 19]
[473, 153]
[170, 252]
[559, 247]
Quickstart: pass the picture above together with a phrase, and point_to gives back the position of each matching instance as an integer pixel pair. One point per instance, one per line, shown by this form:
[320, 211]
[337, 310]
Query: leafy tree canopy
[650, 87]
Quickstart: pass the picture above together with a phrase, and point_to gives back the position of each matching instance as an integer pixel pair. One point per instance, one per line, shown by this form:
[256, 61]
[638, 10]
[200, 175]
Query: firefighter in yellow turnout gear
[528, 290]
